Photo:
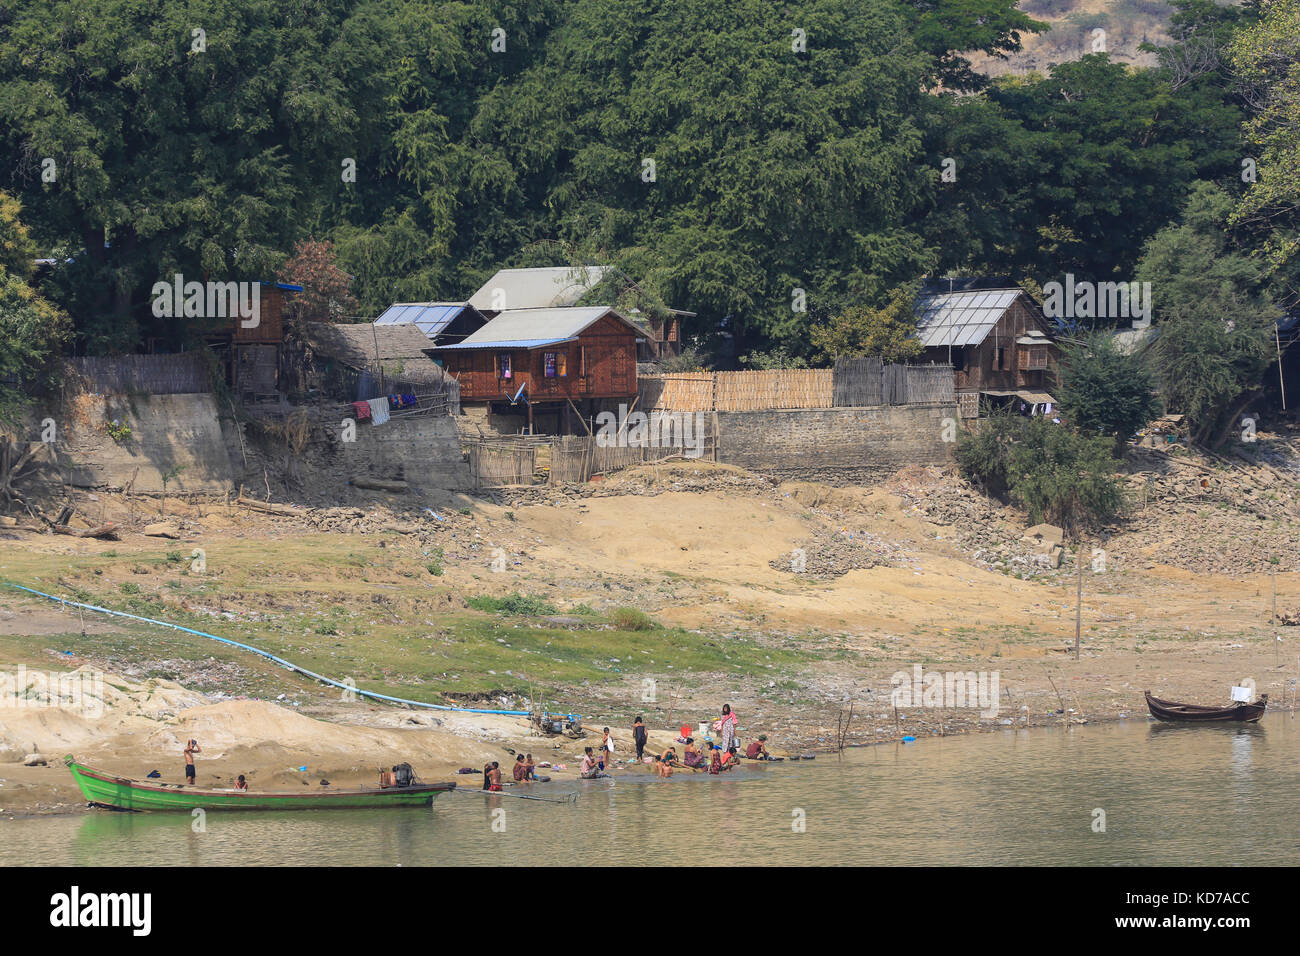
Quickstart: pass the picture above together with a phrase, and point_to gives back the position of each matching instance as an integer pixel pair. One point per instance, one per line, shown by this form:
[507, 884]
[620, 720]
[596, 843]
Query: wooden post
[1078, 600]
[1273, 578]
[1281, 382]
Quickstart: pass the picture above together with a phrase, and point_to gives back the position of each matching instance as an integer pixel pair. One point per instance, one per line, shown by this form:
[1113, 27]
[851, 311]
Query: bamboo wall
[779, 388]
[853, 382]
[680, 392]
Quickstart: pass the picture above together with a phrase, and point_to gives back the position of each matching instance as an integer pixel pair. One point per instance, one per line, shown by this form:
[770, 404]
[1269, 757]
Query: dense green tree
[736, 163]
[1215, 321]
[1050, 470]
[1104, 390]
[767, 166]
[31, 329]
[946, 29]
[1096, 157]
[888, 332]
[1266, 57]
[193, 138]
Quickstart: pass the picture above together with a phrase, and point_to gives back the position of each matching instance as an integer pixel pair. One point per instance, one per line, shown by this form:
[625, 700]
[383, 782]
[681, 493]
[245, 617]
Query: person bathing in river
[521, 769]
[191, 748]
[663, 768]
[494, 777]
[589, 768]
[726, 726]
[757, 749]
[715, 758]
[607, 751]
[639, 738]
[487, 775]
[691, 756]
[729, 759]
[241, 783]
[530, 769]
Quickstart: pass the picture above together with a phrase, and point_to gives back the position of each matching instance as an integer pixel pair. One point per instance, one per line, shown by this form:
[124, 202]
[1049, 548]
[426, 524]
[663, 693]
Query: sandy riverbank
[661, 593]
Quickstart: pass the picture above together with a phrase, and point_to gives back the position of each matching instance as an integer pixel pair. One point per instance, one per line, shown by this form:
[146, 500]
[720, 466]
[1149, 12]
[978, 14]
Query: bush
[630, 619]
[690, 360]
[524, 605]
[1105, 391]
[434, 565]
[1050, 470]
[129, 587]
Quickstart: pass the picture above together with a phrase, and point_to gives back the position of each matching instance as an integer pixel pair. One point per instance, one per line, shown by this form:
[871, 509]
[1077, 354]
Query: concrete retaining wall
[167, 432]
[825, 442]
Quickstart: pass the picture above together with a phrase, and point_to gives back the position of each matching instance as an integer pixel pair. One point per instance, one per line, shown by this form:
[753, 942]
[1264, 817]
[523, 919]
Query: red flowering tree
[324, 296]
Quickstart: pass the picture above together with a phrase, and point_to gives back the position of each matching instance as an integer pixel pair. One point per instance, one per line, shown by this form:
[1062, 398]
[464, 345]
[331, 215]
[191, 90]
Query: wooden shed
[249, 357]
[997, 340]
[363, 361]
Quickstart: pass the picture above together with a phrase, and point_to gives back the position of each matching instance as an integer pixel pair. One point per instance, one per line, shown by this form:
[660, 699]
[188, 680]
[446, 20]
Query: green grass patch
[523, 605]
[630, 619]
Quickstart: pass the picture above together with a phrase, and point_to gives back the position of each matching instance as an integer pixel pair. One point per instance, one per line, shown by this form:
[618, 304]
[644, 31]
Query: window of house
[553, 364]
[959, 360]
[503, 365]
[1035, 357]
[1000, 362]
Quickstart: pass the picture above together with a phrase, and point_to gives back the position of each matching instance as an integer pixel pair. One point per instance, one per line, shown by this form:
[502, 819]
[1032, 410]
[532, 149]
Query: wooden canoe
[1200, 713]
[103, 789]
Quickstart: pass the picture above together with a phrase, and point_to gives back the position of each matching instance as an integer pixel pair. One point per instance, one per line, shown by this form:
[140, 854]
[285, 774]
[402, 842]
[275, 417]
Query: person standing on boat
[191, 748]
[639, 738]
[727, 727]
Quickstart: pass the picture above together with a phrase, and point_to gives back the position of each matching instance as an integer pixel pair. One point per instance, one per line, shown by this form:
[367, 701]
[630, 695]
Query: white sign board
[1241, 694]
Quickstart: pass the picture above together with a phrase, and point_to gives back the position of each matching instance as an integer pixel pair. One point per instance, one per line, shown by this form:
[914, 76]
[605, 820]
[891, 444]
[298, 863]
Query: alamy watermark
[949, 689]
[1098, 300]
[70, 690]
[208, 300]
[683, 430]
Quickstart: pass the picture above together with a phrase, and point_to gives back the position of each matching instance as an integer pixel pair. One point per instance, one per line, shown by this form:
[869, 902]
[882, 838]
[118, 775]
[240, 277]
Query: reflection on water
[1215, 795]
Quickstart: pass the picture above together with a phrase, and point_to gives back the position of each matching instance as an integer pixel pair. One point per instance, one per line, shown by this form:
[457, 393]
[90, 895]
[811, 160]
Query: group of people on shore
[524, 770]
[716, 758]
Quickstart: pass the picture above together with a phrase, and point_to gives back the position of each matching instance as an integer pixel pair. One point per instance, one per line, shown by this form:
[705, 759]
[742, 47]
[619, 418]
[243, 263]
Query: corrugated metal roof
[431, 318]
[536, 288]
[532, 328]
[961, 318]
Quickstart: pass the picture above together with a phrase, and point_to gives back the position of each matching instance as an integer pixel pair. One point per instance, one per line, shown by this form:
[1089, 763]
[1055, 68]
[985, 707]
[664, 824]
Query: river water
[1224, 795]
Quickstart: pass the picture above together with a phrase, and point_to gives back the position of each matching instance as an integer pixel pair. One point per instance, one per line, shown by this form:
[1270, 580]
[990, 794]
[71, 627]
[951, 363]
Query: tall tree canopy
[1216, 321]
[766, 166]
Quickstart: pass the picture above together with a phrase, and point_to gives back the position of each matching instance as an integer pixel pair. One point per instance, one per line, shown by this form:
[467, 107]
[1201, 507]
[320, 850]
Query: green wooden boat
[104, 789]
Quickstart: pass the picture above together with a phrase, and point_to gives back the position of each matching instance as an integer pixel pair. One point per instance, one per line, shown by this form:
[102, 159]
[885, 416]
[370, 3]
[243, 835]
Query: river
[1217, 795]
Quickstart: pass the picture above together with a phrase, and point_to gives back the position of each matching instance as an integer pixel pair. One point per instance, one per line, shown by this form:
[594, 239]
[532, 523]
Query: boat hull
[1174, 712]
[119, 793]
